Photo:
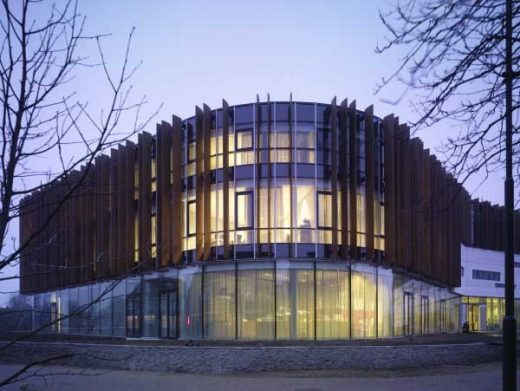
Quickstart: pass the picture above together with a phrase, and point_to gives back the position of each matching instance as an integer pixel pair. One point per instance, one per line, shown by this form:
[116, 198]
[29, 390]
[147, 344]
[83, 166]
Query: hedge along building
[270, 220]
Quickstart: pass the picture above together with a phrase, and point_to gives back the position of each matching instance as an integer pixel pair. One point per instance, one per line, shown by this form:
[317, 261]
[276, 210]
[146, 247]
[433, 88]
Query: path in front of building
[482, 377]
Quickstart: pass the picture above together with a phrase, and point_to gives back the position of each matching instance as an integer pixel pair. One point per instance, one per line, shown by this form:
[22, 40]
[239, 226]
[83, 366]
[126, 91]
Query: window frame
[188, 232]
[318, 193]
[244, 149]
[249, 193]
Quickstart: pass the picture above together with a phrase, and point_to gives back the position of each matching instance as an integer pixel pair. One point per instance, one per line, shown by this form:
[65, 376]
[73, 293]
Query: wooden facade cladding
[199, 183]
[105, 229]
[176, 191]
[353, 179]
[389, 189]
[369, 184]
[344, 176]
[426, 210]
[206, 182]
[225, 176]
[164, 139]
[144, 201]
[487, 228]
[334, 174]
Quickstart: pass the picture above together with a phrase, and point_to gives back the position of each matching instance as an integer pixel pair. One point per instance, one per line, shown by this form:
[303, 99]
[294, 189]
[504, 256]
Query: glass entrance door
[133, 316]
[168, 308]
[425, 309]
[443, 316]
[408, 313]
[474, 317]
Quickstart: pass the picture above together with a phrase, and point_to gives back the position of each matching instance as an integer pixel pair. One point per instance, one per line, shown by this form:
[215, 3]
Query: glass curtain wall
[219, 301]
[296, 157]
[363, 301]
[332, 301]
[190, 300]
[255, 306]
[295, 300]
[263, 300]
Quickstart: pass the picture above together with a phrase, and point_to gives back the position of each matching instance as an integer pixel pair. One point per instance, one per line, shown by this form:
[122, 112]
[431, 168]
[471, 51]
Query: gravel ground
[428, 339]
[480, 377]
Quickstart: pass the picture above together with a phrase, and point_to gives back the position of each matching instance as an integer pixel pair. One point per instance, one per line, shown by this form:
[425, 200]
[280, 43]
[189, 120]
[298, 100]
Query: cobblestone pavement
[482, 377]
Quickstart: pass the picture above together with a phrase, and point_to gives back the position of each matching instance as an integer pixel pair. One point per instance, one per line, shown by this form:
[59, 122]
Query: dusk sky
[197, 52]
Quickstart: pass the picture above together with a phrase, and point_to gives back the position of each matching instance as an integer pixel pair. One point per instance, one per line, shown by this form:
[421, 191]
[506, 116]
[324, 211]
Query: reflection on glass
[295, 304]
[384, 303]
[219, 305]
[332, 304]
[190, 301]
[363, 305]
[256, 304]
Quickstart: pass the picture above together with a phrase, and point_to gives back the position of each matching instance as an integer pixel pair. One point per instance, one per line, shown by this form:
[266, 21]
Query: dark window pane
[305, 112]
[264, 251]
[244, 251]
[323, 138]
[191, 129]
[282, 112]
[282, 251]
[244, 172]
[264, 112]
[323, 114]
[305, 170]
[282, 170]
[244, 114]
[306, 251]
[264, 171]
[219, 118]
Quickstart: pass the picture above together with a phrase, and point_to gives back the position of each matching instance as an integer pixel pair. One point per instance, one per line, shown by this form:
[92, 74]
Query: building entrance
[168, 309]
[474, 317]
[408, 313]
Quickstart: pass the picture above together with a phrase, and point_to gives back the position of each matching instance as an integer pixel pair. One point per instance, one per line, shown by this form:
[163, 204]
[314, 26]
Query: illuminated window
[244, 210]
[192, 213]
[154, 169]
[136, 238]
[154, 236]
[305, 206]
[191, 152]
[244, 147]
[244, 140]
[324, 210]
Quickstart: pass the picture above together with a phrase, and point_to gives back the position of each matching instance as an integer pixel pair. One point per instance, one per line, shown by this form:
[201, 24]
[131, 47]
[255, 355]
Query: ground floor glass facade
[260, 300]
[485, 313]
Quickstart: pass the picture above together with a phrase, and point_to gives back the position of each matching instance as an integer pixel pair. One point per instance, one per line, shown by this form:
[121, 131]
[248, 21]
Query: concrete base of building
[237, 359]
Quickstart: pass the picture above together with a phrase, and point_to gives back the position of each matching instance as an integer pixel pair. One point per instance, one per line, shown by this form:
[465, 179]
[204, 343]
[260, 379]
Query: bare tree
[454, 62]
[459, 58]
[41, 118]
[48, 134]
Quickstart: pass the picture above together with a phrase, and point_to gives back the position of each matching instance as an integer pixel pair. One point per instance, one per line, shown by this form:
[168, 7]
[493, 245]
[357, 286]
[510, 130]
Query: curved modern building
[268, 220]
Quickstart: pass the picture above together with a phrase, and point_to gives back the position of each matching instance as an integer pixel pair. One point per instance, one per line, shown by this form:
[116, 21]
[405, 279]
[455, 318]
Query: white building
[482, 288]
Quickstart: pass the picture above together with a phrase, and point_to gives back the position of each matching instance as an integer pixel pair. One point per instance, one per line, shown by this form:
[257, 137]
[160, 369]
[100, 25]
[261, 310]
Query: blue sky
[196, 51]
